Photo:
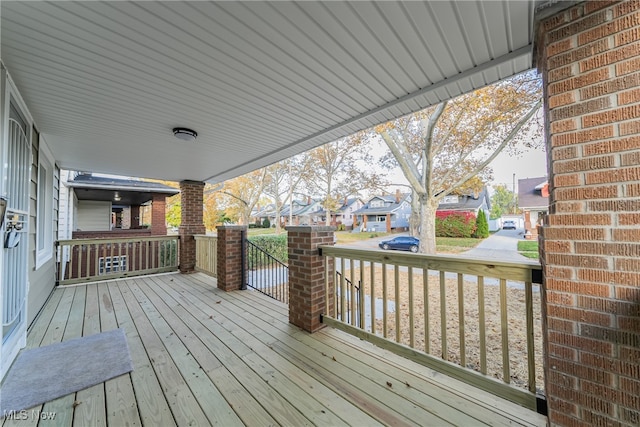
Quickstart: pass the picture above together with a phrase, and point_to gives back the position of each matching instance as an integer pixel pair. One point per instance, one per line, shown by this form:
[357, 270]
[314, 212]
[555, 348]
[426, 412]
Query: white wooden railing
[207, 254]
[476, 320]
[86, 260]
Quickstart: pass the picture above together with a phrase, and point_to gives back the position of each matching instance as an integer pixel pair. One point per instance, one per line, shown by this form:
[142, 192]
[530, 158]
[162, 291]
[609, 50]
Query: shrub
[274, 245]
[482, 226]
[455, 224]
[266, 223]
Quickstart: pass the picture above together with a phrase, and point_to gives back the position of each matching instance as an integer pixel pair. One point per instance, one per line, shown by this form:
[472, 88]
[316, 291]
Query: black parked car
[401, 243]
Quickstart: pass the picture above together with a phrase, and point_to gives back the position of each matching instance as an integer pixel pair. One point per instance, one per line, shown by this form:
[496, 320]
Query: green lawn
[259, 231]
[528, 248]
[348, 237]
[454, 245]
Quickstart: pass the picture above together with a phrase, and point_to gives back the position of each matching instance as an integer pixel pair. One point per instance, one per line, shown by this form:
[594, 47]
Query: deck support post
[588, 54]
[191, 222]
[230, 257]
[307, 294]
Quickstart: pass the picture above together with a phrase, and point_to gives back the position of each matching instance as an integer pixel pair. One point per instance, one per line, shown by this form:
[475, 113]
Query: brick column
[134, 219]
[589, 56]
[230, 256]
[191, 223]
[307, 275]
[158, 215]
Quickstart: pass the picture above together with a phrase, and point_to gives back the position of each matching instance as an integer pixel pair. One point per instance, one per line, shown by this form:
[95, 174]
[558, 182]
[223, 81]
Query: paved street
[500, 246]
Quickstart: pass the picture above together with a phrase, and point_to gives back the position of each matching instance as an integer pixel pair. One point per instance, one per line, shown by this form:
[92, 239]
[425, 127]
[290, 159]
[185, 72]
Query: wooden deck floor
[205, 357]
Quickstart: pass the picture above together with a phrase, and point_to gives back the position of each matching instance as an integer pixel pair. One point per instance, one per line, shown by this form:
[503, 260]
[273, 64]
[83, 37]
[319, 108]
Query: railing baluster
[443, 315]
[361, 296]
[531, 359]
[482, 326]
[373, 296]
[343, 296]
[396, 285]
[352, 295]
[463, 350]
[327, 291]
[412, 341]
[384, 300]
[425, 298]
[88, 260]
[504, 325]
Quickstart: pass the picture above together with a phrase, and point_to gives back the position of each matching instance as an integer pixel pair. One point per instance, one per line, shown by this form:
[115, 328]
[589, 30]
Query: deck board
[205, 357]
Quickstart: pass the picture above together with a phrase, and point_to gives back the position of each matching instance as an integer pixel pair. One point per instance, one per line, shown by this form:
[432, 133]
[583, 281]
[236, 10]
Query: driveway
[500, 246]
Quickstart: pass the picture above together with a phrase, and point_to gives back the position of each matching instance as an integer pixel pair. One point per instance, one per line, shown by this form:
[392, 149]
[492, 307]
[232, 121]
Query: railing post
[307, 293]
[231, 261]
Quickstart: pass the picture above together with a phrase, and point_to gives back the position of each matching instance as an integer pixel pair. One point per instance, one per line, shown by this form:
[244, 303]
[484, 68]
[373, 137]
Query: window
[44, 220]
[450, 199]
[107, 265]
[381, 218]
[377, 203]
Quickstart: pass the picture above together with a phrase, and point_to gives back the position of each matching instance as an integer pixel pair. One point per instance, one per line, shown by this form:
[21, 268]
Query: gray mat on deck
[45, 373]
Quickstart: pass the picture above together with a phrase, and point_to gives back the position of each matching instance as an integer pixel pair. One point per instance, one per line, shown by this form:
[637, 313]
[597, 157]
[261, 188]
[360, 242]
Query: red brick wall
[191, 198]
[307, 275]
[590, 60]
[158, 215]
[230, 256]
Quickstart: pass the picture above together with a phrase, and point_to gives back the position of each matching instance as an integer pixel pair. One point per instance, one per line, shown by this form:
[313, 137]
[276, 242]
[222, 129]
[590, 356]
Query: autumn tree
[503, 201]
[450, 145]
[282, 179]
[243, 194]
[340, 169]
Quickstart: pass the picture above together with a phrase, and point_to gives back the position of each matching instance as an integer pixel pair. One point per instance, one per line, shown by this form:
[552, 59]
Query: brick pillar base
[158, 215]
[230, 256]
[191, 197]
[307, 276]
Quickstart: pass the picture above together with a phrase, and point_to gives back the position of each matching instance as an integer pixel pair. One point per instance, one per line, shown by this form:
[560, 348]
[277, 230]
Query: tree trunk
[328, 220]
[428, 226]
[277, 219]
[414, 217]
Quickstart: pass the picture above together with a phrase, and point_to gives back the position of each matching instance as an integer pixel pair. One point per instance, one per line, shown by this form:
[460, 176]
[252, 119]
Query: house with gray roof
[107, 206]
[533, 199]
[471, 202]
[385, 213]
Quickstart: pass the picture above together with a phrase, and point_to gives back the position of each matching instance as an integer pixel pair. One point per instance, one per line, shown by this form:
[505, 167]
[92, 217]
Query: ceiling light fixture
[185, 134]
[116, 197]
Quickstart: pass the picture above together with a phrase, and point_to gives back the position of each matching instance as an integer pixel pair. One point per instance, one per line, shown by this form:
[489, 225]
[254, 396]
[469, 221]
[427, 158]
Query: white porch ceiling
[106, 81]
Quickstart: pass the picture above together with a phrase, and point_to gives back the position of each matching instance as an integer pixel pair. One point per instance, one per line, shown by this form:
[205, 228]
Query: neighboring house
[386, 213]
[260, 213]
[471, 202]
[346, 213]
[98, 206]
[533, 199]
[302, 212]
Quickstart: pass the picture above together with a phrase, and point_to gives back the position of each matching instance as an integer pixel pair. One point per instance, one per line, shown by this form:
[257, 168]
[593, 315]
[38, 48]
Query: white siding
[42, 279]
[94, 215]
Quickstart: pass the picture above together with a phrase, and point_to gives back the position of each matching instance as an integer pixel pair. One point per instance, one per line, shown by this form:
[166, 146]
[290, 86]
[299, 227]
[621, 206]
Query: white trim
[44, 230]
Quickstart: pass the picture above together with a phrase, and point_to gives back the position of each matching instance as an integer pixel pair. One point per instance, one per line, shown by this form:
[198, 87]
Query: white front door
[16, 155]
